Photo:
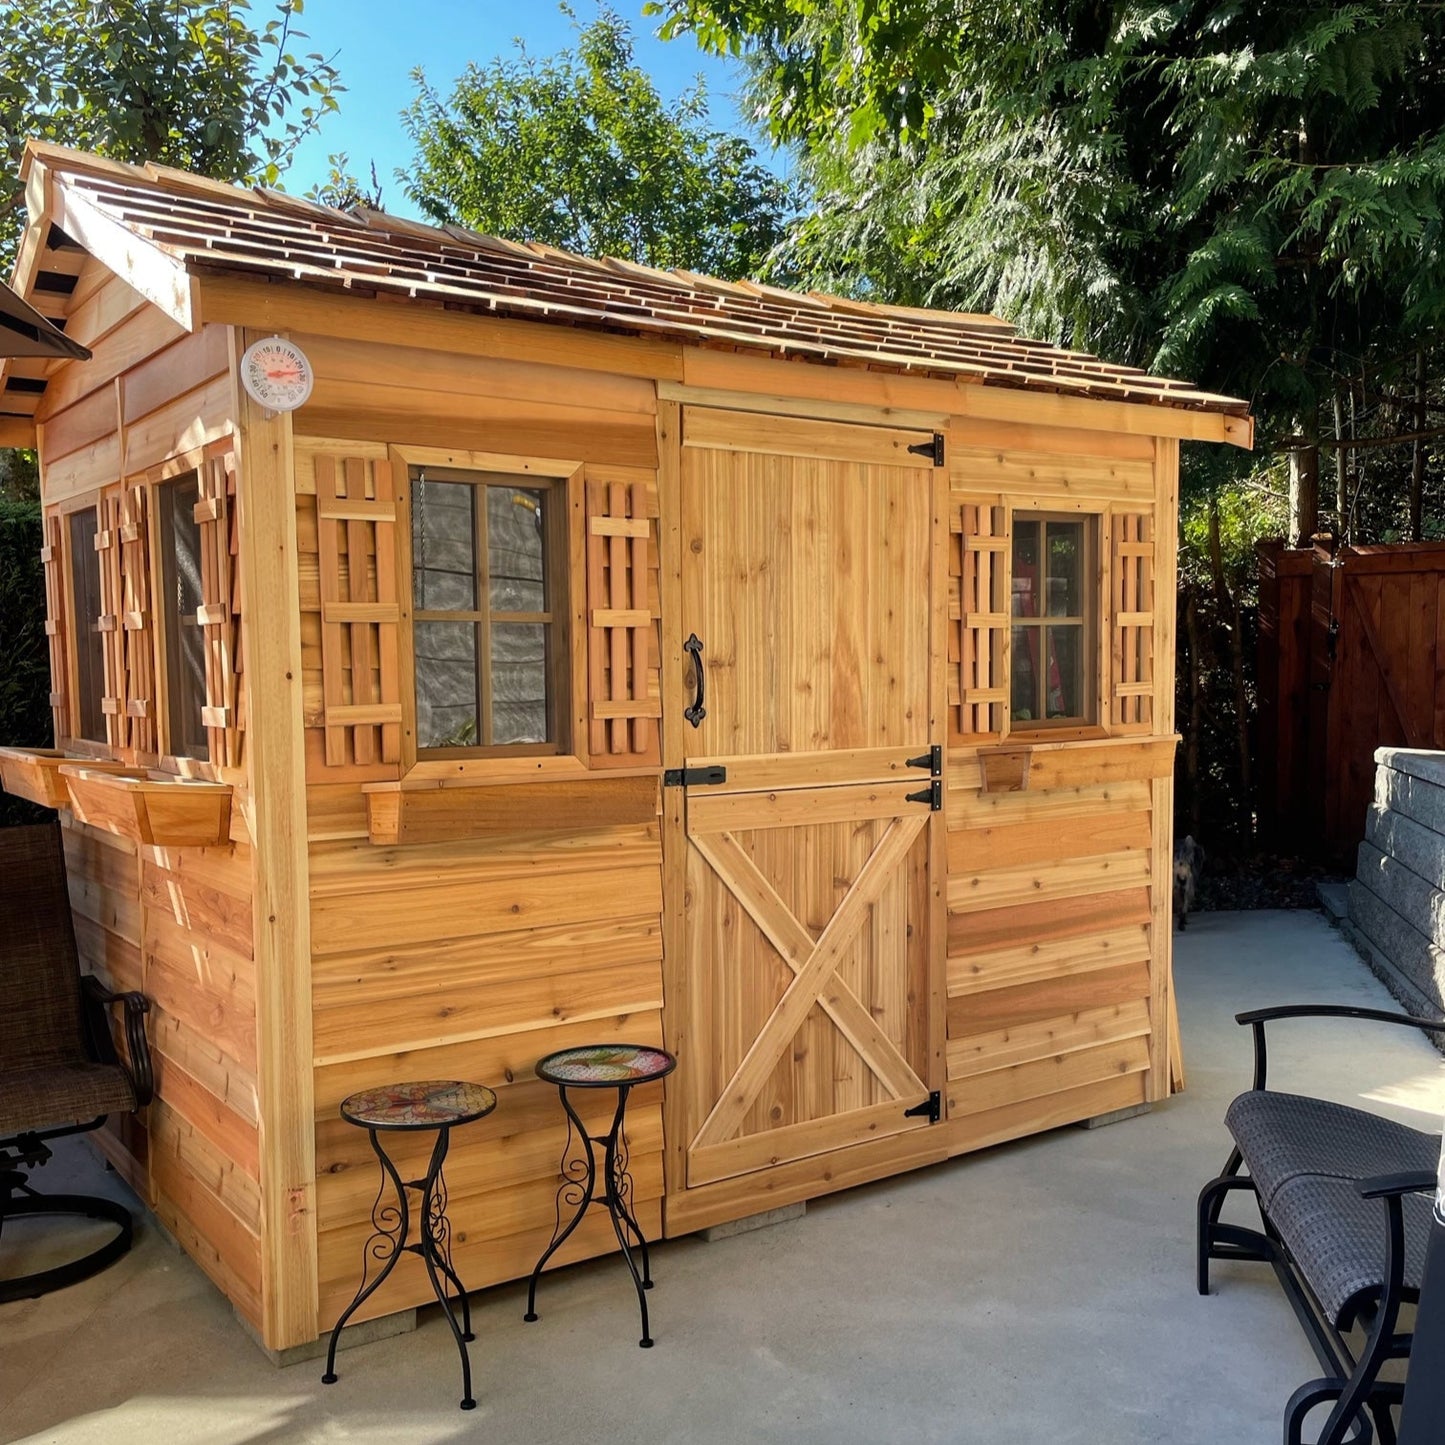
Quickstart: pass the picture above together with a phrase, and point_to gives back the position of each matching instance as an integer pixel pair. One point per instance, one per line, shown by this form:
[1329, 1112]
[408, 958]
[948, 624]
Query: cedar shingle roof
[214, 228]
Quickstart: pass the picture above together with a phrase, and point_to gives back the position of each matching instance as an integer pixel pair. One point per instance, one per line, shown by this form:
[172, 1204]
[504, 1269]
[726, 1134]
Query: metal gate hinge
[931, 1109]
[932, 795]
[932, 449]
[693, 777]
[932, 760]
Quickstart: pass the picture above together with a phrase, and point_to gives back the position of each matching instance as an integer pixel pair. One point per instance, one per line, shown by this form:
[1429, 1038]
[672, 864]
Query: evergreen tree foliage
[579, 150]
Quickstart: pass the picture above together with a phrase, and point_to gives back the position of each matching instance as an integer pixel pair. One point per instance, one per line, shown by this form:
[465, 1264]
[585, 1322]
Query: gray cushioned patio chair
[59, 1070]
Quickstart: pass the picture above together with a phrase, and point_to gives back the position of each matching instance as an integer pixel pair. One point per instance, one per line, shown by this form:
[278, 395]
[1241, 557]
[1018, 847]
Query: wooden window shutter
[978, 612]
[220, 612]
[1132, 643]
[137, 630]
[125, 622]
[624, 692]
[108, 550]
[51, 555]
[360, 610]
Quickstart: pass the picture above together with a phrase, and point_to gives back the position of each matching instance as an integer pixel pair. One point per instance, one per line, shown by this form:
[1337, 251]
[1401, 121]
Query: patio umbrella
[25, 332]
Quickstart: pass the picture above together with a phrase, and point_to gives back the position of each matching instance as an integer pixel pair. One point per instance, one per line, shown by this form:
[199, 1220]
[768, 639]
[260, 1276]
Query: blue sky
[378, 44]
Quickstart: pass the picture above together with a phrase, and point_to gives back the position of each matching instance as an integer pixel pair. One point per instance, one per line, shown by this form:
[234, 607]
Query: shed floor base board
[716, 1232]
[384, 1327]
[1114, 1116]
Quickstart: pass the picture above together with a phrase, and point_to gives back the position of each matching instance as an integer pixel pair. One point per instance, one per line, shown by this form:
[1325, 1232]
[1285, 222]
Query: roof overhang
[25, 332]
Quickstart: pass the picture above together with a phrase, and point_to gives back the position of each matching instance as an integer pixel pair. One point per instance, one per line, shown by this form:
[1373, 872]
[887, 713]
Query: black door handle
[696, 712]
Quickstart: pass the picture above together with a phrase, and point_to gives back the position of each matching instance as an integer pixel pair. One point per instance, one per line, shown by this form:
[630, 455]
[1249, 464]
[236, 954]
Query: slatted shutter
[360, 610]
[978, 611]
[128, 702]
[220, 612]
[1132, 559]
[623, 648]
[112, 636]
[137, 628]
[51, 558]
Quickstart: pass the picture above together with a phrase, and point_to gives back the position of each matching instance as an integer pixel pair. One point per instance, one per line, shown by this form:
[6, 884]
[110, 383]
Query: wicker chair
[59, 1071]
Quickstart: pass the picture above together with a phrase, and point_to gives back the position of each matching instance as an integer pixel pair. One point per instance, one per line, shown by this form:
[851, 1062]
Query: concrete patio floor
[1037, 1292]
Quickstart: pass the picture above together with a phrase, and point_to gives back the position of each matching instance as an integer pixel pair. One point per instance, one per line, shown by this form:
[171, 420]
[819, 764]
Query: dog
[1188, 868]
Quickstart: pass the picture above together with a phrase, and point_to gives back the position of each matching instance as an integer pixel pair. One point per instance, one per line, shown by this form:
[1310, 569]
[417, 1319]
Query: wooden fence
[1351, 658]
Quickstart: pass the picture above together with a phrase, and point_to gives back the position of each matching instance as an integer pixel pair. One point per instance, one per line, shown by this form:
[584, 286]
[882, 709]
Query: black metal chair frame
[27, 1150]
[1351, 1381]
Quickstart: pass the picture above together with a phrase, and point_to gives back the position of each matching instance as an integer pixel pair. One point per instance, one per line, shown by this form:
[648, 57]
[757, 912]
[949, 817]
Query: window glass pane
[1024, 691]
[89, 644]
[443, 546]
[1027, 583]
[185, 641]
[519, 682]
[447, 708]
[515, 551]
[1064, 680]
[1065, 569]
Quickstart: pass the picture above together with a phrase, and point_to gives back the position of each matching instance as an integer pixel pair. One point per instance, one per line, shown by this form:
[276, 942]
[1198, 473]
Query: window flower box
[157, 809]
[34, 773]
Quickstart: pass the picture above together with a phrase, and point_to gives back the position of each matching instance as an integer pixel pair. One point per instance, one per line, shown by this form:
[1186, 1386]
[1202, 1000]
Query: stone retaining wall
[1397, 900]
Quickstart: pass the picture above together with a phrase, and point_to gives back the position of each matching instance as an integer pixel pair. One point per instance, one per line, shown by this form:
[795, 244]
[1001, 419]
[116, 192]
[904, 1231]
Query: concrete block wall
[1397, 898]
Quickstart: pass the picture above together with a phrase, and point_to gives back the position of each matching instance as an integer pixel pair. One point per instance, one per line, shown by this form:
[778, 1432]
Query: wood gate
[1351, 658]
[810, 968]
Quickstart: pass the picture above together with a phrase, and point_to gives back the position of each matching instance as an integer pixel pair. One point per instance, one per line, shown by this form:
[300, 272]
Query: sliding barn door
[810, 788]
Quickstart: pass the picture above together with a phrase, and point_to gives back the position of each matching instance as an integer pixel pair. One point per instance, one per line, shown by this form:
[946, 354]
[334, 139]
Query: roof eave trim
[162, 278]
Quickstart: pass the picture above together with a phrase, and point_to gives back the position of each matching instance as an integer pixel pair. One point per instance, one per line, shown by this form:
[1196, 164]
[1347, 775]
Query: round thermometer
[276, 372]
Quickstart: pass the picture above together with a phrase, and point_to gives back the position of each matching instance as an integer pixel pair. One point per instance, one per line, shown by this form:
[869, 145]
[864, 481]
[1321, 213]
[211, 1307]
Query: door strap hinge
[932, 760]
[693, 777]
[932, 795]
[932, 449]
[931, 1109]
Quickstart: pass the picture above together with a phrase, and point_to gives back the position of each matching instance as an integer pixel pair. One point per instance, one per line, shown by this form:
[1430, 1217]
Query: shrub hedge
[24, 657]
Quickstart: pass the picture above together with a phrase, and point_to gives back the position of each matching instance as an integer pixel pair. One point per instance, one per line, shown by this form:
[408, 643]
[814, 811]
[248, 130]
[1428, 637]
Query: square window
[1053, 621]
[180, 603]
[85, 624]
[485, 640]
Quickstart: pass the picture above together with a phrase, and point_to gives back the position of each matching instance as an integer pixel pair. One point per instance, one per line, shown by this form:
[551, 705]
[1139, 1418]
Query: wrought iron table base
[616, 1190]
[392, 1224]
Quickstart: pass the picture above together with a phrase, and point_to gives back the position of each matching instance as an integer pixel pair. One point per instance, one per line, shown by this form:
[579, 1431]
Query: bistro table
[601, 1066]
[442, 1105]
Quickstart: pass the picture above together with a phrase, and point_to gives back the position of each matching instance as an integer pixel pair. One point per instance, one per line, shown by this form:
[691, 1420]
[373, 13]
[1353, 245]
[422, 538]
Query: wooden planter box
[34, 773]
[152, 808]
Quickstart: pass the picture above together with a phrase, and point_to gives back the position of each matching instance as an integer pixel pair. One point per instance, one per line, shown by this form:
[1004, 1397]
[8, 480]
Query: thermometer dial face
[277, 373]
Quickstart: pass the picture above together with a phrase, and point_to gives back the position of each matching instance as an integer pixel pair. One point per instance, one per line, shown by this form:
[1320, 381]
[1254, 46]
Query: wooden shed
[597, 653]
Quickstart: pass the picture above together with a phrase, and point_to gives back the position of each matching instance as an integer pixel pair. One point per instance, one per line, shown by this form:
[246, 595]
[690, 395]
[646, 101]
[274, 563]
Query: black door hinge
[931, 1109]
[693, 777]
[932, 760]
[932, 449]
[932, 795]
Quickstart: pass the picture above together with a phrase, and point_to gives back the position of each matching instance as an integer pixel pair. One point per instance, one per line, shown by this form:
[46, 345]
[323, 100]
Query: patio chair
[59, 1071]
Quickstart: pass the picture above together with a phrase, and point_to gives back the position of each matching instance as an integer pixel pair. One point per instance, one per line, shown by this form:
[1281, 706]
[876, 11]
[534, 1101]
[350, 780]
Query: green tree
[1248, 195]
[579, 150]
[198, 84]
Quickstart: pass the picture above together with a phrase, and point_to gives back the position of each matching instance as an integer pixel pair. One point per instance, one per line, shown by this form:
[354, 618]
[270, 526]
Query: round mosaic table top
[430, 1104]
[598, 1066]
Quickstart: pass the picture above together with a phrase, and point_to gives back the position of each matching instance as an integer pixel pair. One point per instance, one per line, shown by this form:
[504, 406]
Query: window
[1054, 662]
[485, 636]
[85, 624]
[181, 600]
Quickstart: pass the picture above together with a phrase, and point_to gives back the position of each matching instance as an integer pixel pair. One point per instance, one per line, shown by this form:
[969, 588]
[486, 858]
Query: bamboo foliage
[623, 649]
[978, 619]
[1132, 643]
[360, 610]
[51, 556]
